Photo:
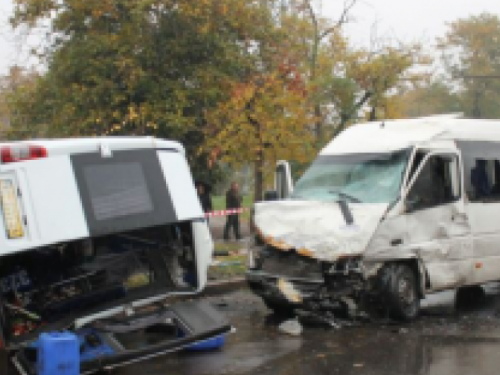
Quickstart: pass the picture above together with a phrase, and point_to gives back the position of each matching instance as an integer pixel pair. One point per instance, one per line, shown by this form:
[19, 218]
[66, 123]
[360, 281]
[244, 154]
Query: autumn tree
[429, 99]
[149, 67]
[471, 56]
[18, 85]
[265, 119]
[369, 82]
[198, 71]
[307, 37]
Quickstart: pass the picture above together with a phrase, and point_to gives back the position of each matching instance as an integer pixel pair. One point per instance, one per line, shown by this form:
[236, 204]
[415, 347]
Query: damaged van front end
[312, 250]
[315, 261]
[375, 226]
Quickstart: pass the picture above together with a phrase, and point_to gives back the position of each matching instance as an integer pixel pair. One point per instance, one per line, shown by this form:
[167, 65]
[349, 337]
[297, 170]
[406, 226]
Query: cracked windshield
[362, 178]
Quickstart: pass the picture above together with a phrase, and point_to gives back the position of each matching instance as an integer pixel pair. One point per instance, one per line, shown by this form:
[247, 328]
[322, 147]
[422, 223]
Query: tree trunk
[476, 109]
[345, 117]
[319, 123]
[258, 179]
[373, 113]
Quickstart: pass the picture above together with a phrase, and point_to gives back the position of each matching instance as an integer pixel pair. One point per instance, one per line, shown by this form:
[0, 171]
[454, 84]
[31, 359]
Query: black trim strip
[168, 149]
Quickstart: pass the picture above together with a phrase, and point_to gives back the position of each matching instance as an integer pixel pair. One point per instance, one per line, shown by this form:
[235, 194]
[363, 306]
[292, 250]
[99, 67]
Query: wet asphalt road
[444, 341]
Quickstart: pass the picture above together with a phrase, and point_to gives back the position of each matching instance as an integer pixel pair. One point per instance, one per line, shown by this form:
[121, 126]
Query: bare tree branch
[312, 14]
[343, 19]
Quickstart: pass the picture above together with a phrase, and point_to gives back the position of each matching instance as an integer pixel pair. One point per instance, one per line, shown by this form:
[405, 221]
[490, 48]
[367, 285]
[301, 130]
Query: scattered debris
[325, 318]
[291, 327]
[289, 291]
[221, 304]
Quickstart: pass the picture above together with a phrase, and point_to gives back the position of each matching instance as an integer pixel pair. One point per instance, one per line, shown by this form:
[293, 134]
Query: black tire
[280, 309]
[399, 290]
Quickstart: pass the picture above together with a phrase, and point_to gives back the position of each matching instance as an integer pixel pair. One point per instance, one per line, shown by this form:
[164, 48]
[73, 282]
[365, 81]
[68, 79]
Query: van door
[437, 226]
[283, 183]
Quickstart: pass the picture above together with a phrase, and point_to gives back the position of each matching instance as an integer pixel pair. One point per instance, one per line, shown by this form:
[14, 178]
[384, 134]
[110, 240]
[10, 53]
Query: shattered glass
[366, 178]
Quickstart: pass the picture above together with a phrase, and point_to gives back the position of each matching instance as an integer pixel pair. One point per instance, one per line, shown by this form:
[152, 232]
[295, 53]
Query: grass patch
[230, 266]
[229, 246]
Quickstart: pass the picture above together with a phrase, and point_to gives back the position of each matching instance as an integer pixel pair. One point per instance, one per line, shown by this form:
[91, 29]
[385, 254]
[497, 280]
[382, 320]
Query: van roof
[392, 135]
[81, 145]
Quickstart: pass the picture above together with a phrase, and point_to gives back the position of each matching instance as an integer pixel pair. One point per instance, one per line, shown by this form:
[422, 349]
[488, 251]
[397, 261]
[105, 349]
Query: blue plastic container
[88, 353]
[210, 344]
[58, 354]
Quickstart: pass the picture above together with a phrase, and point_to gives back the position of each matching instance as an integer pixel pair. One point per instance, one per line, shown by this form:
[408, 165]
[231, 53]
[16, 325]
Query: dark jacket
[233, 199]
[206, 202]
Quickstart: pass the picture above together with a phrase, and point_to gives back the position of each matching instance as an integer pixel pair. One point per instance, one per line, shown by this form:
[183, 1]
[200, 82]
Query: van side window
[438, 183]
[482, 179]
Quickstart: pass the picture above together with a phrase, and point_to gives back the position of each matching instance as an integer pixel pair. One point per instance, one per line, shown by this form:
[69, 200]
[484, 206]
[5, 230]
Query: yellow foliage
[264, 119]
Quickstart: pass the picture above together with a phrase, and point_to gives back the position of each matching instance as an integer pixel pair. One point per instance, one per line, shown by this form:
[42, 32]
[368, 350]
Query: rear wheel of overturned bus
[399, 289]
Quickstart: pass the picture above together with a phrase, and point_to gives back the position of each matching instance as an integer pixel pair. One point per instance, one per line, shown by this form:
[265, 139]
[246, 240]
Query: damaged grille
[290, 264]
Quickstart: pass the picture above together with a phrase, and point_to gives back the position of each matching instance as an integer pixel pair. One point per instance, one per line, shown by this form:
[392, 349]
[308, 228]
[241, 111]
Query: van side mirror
[283, 182]
[271, 195]
[411, 204]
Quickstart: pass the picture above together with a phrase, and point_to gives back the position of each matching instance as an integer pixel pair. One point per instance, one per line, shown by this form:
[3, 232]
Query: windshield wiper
[344, 195]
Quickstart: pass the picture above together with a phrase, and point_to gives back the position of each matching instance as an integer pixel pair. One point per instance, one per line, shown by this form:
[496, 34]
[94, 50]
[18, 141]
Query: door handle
[396, 242]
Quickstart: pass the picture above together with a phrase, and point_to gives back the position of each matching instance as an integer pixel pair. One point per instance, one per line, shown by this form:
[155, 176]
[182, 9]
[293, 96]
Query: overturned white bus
[96, 233]
[388, 212]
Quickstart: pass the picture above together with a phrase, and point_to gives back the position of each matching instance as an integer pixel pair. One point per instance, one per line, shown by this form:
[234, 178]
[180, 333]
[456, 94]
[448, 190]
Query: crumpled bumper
[267, 286]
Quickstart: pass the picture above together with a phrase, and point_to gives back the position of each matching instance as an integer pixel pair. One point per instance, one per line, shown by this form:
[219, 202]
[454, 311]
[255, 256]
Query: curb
[221, 287]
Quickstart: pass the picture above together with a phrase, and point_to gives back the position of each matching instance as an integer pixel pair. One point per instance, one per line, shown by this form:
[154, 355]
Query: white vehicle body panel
[51, 202]
[318, 229]
[176, 173]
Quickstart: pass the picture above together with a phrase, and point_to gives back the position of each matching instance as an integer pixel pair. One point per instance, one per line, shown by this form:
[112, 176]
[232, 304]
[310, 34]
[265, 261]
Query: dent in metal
[437, 238]
[317, 229]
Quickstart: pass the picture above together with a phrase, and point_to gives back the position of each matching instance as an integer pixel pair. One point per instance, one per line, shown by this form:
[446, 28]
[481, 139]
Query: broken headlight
[344, 266]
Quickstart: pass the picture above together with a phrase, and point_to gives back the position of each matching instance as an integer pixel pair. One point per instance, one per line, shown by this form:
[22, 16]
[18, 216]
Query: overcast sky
[402, 19]
[407, 20]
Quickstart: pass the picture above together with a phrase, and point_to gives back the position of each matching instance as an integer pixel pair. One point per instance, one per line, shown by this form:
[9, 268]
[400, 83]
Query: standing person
[233, 201]
[204, 197]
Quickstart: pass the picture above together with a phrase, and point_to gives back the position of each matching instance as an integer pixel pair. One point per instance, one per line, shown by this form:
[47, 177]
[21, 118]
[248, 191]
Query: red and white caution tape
[226, 212]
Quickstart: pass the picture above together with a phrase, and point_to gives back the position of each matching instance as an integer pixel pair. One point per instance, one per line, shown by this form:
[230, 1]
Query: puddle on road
[393, 354]
[239, 358]
[444, 341]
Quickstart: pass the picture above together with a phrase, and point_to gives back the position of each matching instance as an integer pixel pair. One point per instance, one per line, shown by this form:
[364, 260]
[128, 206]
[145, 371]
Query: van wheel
[399, 291]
